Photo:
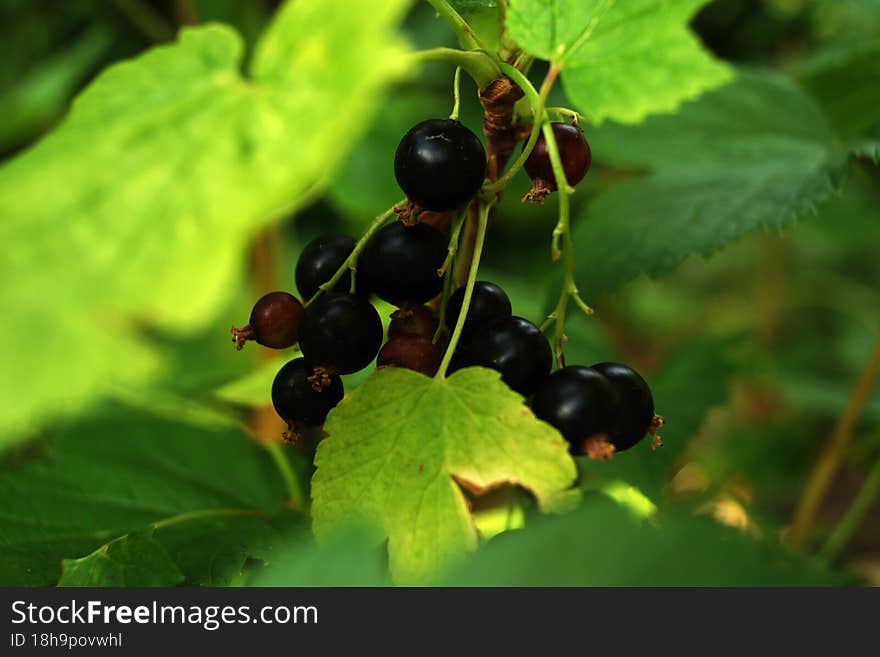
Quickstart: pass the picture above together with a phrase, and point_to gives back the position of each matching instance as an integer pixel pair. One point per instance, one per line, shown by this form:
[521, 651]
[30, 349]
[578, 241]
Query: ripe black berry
[412, 352]
[636, 410]
[515, 347]
[340, 332]
[580, 402]
[274, 322]
[574, 151]
[399, 264]
[318, 262]
[414, 320]
[440, 164]
[489, 304]
[297, 401]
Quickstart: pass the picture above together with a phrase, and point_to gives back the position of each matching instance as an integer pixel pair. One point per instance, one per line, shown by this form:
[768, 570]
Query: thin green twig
[350, 263]
[482, 222]
[854, 516]
[291, 482]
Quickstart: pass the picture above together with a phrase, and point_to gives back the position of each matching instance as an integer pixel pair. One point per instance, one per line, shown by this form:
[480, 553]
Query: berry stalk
[482, 222]
[351, 261]
[562, 230]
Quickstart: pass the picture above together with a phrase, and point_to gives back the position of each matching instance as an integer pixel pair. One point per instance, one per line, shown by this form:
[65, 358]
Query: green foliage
[602, 544]
[757, 153]
[213, 497]
[135, 559]
[401, 446]
[117, 231]
[847, 85]
[619, 60]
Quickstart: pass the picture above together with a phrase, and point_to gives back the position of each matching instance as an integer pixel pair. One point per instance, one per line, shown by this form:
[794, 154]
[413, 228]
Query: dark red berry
[319, 260]
[413, 320]
[580, 402]
[340, 332]
[574, 151]
[515, 347]
[489, 304]
[297, 401]
[440, 164]
[412, 352]
[636, 409]
[399, 264]
[274, 322]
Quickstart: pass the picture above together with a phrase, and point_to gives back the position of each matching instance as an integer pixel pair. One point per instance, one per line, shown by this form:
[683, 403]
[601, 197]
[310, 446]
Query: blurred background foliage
[752, 354]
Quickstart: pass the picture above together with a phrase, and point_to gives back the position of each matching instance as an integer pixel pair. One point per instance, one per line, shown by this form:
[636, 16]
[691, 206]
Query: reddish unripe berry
[274, 322]
[574, 151]
[413, 320]
[412, 352]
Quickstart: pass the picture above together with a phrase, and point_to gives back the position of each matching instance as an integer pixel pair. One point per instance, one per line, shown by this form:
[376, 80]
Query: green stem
[538, 101]
[448, 271]
[854, 516]
[351, 261]
[563, 231]
[469, 288]
[297, 499]
[456, 94]
[201, 515]
[466, 35]
[822, 475]
[480, 66]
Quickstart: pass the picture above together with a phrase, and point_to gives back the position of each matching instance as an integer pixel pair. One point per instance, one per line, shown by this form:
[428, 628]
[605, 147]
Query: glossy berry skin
[636, 404]
[574, 151]
[319, 260]
[489, 304]
[295, 398]
[274, 322]
[515, 347]
[415, 320]
[440, 164]
[399, 264]
[580, 402]
[412, 352]
[342, 332]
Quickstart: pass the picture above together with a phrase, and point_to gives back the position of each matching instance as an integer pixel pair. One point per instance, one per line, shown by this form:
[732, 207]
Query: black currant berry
[274, 322]
[636, 409]
[319, 260]
[412, 352]
[515, 347]
[574, 152]
[399, 264]
[580, 402]
[413, 320]
[440, 164]
[297, 401]
[489, 304]
[340, 332]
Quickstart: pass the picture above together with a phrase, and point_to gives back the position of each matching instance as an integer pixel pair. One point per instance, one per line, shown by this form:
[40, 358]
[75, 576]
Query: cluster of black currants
[600, 410]
[440, 165]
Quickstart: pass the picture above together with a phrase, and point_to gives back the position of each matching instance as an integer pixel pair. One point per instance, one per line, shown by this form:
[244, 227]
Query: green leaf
[620, 59]
[402, 446]
[755, 154]
[135, 559]
[121, 473]
[603, 544]
[347, 559]
[847, 85]
[140, 204]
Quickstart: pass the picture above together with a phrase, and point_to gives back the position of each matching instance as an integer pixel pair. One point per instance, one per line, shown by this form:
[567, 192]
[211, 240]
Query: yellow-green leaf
[401, 448]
